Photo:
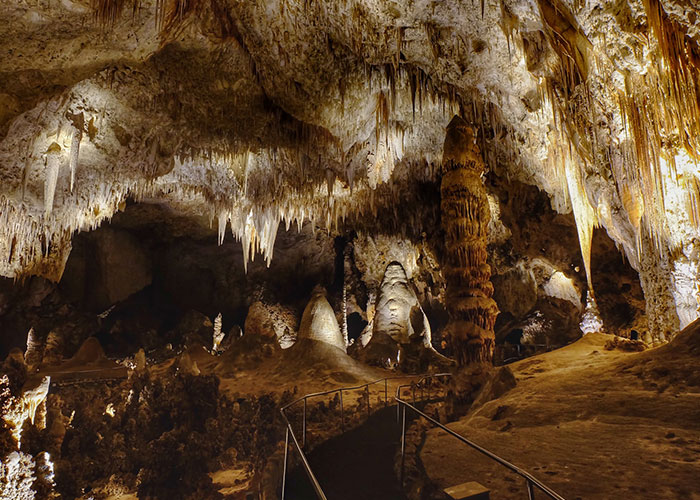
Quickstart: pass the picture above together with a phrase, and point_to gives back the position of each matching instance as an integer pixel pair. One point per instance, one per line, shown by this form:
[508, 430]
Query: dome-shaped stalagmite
[398, 312]
[319, 322]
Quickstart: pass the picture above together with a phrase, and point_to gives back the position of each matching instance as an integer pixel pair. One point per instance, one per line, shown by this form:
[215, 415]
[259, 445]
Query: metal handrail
[304, 461]
[300, 450]
[413, 386]
[340, 390]
[531, 480]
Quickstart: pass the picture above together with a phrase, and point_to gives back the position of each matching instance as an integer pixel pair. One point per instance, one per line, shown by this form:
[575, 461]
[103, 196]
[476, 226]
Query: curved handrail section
[348, 388]
[531, 480]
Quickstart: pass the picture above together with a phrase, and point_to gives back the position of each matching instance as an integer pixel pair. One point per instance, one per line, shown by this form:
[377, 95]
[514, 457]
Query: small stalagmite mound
[89, 353]
[319, 322]
[185, 364]
[89, 362]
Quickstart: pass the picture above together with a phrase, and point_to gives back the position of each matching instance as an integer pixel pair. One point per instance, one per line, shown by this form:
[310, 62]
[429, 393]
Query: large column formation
[465, 216]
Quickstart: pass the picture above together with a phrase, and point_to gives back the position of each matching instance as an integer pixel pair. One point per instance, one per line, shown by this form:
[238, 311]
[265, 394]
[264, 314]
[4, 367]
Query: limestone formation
[33, 354]
[53, 352]
[398, 312]
[171, 168]
[271, 320]
[465, 215]
[319, 322]
[326, 112]
[217, 335]
[17, 476]
[24, 407]
[186, 365]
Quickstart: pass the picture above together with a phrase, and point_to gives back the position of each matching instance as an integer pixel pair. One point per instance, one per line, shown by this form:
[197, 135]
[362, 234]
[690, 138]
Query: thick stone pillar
[465, 216]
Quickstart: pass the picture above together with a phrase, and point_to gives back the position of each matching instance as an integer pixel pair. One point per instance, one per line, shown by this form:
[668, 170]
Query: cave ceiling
[256, 113]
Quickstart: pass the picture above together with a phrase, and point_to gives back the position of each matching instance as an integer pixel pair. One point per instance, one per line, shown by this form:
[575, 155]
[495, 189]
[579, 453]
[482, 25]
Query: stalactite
[223, 220]
[584, 215]
[53, 163]
[74, 154]
[465, 217]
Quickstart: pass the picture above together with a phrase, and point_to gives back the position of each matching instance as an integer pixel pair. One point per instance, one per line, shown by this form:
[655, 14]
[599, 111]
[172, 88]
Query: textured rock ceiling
[259, 112]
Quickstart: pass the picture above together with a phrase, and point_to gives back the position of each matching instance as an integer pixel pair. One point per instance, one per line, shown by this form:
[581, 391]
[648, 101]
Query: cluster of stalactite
[465, 216]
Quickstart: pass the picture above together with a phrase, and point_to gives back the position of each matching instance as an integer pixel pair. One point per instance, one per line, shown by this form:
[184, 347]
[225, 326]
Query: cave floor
[286, 375]
[588, 422]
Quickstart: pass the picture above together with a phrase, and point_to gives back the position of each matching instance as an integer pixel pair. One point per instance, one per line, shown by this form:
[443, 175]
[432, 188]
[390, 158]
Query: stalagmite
[32, 356]
[218, 335]
[53, 349]
[465, 216]
[35, 396]
[318, 321]
[590, 320]
[398, 311]
[19, 409]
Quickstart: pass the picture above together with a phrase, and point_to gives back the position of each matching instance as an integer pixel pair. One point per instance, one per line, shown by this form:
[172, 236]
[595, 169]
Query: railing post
[303, 429]
[342, 416]
[530, 490]
[403, 441]
[284, 469]
[386, 393]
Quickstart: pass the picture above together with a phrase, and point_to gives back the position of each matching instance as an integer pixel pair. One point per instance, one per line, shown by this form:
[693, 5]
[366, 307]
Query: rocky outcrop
[515, 291]
[319, 322]
[272, 320]
[193, 328]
